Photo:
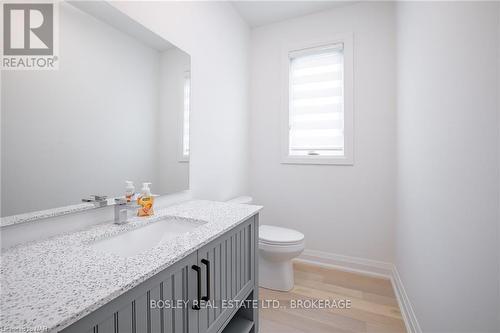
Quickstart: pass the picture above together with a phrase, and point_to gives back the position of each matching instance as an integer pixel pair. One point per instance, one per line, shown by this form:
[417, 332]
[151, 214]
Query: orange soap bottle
[145, 200]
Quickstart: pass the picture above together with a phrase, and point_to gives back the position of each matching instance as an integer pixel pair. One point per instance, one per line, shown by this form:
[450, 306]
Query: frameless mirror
[116, 109]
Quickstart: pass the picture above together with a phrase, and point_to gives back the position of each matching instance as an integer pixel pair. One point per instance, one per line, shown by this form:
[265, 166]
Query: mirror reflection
[116, 110]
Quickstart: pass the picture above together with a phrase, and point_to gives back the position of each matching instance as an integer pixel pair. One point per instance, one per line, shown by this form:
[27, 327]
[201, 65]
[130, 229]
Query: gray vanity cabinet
[222, 270]
[227, 271]
[132, 313]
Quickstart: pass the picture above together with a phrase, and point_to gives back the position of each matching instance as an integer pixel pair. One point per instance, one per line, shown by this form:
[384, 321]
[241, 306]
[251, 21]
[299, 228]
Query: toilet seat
[278, 236]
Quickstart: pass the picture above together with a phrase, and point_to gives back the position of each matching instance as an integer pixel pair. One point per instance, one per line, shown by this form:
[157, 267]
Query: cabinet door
[227, 274]
[133, 312]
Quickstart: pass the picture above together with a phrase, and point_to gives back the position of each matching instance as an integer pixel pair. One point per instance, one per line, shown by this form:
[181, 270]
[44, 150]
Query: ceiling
[258, 13]
[108, 14]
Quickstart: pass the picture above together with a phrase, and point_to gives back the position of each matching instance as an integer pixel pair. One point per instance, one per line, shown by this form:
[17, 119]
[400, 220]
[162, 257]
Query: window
[318, 107]
[185, 118]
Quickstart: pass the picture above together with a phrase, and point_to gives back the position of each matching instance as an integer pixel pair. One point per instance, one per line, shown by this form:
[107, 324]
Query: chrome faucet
[97, 200]
[121, 211]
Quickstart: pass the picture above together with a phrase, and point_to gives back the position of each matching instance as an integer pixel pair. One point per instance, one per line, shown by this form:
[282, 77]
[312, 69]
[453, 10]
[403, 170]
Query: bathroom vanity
[82, 282]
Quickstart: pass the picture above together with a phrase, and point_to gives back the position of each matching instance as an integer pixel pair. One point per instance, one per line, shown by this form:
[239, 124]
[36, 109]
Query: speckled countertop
[49, 284]
[43, 214]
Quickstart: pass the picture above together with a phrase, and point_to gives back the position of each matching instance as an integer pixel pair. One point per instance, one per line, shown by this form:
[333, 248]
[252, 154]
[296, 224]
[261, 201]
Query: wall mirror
[117, 109]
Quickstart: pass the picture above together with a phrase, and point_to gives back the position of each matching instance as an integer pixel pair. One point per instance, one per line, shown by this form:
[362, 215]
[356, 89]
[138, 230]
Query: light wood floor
[374, 307]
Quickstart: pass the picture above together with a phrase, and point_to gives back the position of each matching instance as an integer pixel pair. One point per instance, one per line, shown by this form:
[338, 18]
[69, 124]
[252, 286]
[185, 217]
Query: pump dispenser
[145, 201]
[129, 190]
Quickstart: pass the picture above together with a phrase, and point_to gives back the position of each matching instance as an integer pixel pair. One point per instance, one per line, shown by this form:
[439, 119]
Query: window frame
[348, 157]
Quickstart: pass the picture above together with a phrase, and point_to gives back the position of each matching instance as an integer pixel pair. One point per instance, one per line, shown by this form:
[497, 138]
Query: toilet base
[276, 275]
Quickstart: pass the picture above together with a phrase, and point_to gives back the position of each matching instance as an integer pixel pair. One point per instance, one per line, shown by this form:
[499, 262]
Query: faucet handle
[97, 200]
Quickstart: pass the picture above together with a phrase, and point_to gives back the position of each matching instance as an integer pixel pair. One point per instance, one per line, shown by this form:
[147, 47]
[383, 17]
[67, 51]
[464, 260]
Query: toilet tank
[241, 200]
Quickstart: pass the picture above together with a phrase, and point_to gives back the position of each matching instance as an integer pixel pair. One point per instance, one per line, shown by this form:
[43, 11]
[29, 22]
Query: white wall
[448, 184]
[347, 210]
[73, 132]
[217, 40]
[173, 174]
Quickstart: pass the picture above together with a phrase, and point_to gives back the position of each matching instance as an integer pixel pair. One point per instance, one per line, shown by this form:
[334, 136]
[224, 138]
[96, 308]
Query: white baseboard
[346, 263]
[409, 317]
[371, 268]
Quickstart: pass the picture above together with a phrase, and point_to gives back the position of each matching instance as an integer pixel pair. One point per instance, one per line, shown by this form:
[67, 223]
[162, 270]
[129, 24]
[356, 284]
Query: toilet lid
[276, 235]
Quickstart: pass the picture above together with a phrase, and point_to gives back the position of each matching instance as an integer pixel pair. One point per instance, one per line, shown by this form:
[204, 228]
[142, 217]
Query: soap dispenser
[129, 190]
[145, 201]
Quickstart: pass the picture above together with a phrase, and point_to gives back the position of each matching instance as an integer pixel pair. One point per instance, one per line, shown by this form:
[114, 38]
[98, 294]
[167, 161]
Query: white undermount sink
[137, 240]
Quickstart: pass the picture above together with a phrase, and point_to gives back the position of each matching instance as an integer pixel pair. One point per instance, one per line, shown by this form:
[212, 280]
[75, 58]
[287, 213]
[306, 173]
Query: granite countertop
[43, 214]
[49, 284]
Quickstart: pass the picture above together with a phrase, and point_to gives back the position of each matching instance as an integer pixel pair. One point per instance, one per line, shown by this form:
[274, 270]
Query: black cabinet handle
[207, 263]
[198, 297]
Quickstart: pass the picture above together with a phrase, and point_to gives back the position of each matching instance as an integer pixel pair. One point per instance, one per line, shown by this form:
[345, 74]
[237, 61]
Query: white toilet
[277, 247]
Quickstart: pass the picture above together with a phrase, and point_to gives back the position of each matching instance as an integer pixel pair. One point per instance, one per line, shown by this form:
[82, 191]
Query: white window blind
[185, 124]
[316, 101]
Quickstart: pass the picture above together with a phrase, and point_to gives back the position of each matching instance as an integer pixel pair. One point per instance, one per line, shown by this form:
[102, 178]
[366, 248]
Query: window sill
[318, 160]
